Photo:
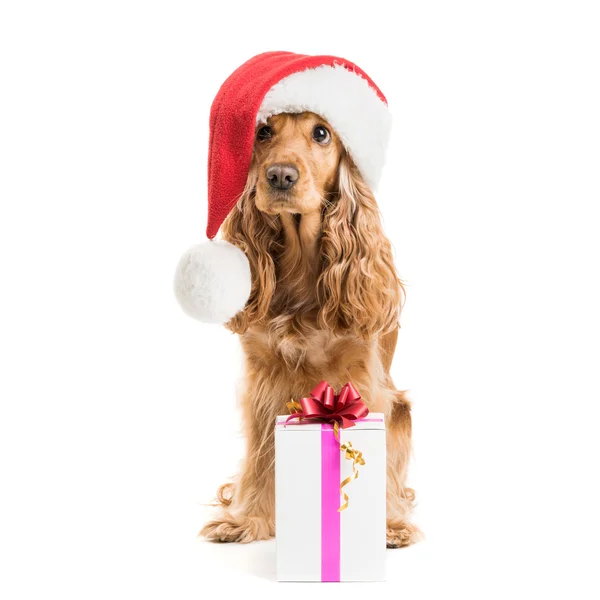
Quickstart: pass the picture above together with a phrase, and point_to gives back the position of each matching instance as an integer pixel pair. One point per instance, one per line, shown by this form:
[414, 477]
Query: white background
[118, 414]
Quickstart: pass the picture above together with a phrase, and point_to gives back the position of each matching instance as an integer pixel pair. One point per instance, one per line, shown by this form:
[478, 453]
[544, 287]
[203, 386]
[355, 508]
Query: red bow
[324, 405]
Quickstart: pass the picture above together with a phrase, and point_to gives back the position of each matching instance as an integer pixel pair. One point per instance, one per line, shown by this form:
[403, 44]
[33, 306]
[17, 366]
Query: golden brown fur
[324, 305]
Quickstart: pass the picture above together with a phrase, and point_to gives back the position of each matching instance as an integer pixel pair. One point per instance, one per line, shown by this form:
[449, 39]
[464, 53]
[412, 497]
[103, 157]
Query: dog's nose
[282, 177]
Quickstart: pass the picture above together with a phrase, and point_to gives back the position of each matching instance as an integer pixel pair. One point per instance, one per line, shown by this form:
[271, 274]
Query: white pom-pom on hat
[213, 281]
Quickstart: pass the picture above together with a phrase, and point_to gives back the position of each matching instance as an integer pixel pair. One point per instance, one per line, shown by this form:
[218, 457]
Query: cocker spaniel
[324, 304]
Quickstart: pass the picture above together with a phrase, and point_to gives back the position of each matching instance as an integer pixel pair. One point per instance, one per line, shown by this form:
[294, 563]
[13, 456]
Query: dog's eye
[264, 133]
[321, 135]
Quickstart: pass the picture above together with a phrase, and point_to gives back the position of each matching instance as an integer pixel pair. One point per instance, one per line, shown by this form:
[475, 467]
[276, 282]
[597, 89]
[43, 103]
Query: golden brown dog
[325, 304]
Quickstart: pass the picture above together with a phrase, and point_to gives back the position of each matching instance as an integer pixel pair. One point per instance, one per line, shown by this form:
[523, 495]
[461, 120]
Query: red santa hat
[266, 85]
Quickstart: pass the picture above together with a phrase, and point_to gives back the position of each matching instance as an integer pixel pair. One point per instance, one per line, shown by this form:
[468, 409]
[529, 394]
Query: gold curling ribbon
[357, 458]
[293, 407]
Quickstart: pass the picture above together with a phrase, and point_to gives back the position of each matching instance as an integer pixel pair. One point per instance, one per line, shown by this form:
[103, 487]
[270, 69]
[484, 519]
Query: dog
[324, 304]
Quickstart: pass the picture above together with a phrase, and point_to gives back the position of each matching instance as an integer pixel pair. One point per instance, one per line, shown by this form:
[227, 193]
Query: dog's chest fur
[314, 352]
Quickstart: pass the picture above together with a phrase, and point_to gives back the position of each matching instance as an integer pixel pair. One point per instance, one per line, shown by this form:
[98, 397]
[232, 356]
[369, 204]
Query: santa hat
[266, 85]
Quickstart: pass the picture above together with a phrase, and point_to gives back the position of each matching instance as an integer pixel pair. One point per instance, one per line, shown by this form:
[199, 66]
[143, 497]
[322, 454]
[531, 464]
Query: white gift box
[315, 542]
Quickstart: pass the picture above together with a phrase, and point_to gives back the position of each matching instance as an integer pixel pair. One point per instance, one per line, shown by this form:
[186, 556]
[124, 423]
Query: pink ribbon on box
[330, 503]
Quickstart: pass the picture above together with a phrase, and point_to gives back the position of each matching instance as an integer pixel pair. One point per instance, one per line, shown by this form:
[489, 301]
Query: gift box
[330, 523]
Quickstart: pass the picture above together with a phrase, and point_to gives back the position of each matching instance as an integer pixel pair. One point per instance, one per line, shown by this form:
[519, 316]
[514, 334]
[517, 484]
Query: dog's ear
[358, 287]
[258, 237]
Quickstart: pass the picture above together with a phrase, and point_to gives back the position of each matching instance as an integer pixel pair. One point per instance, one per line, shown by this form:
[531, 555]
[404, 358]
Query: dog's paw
[402, 533]
[242, 530]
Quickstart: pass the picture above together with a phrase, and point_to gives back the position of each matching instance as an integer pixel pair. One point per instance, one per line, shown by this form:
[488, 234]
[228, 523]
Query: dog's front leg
[247, 510]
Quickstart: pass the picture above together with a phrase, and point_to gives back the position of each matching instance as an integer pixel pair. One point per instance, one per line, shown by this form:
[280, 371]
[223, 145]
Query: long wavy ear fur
[259, 237]
[358, 287]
